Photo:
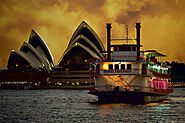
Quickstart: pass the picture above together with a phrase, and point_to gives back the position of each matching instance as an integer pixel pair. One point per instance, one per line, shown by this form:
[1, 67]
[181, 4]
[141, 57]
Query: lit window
[77, 83]
[105, 66]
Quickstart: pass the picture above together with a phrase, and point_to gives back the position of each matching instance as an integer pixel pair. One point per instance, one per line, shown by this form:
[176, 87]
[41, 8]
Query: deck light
[105, 66]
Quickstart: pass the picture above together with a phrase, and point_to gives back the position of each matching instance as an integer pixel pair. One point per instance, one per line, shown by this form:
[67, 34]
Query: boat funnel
[108, 40]
[138, 26]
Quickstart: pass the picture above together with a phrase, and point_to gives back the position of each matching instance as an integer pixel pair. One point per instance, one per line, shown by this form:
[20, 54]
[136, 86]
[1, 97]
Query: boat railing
[155, 61]
[158, 74]
[114, 58]
[150, 89]
[134, 89]
[100, 72]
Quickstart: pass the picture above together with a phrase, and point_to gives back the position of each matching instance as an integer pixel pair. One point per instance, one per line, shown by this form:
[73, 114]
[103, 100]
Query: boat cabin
[126, 52]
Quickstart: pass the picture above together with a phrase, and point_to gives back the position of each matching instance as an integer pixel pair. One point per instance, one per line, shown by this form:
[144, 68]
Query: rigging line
[127, 34]
[131, 36]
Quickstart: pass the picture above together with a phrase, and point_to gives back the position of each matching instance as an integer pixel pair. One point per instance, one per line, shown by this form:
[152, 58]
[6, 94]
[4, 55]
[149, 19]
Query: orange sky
[163, 23]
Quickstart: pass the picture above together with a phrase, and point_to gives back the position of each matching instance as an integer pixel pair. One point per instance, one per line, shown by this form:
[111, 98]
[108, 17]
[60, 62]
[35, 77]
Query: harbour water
[77, 106]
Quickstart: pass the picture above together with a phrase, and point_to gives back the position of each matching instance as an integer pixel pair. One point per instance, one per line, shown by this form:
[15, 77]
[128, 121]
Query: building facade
[34, 63]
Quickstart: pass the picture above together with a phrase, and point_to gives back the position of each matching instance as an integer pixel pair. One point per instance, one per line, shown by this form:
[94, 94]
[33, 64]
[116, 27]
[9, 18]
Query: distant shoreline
[179, 85]
[84, 87]
[45, 87]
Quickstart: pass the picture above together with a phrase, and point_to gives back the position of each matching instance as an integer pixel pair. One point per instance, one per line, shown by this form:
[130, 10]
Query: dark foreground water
[75, 106]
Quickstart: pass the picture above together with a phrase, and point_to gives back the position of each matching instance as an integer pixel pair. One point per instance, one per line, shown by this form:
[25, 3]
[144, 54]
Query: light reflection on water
[178, 98]
[77, 106]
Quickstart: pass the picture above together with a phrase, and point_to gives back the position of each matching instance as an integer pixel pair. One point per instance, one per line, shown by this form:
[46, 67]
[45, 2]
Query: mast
[127, 34]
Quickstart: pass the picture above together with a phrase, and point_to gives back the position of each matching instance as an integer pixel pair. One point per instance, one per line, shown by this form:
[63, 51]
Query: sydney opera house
[34, 65]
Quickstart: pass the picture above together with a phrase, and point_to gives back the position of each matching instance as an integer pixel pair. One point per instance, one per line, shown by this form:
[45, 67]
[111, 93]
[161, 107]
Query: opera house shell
[83, 46]
[73, 66]
[34, 61]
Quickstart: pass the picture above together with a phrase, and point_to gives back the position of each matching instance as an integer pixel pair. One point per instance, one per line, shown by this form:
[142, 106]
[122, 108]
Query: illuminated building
[34, 63]
[83, 46]
[32, 55]
[74, 64]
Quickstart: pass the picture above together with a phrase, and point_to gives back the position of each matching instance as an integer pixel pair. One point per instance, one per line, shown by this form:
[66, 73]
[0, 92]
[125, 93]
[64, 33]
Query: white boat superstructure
[130, 72]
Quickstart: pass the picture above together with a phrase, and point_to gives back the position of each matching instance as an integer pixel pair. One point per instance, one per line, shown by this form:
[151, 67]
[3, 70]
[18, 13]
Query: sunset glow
[162, 23]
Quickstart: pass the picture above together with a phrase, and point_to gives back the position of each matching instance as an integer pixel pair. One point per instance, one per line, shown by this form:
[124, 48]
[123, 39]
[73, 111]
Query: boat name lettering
[116, 71]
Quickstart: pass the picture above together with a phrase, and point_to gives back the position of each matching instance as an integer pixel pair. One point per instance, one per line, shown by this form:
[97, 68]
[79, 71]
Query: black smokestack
[138, 26]
[108, 40]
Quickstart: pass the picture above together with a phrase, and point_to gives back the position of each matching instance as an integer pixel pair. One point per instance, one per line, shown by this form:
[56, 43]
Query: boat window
[129, 66]
[160, 70]
[126, 48]
[110, 66]
[144, 67]
[116, 66]
[123, 66]
[115, 48]
[133, 48]
[164, 71]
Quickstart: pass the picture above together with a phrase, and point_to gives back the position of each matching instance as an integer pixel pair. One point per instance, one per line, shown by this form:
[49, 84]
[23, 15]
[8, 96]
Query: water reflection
[104, 109]
[178, 98]
[74, 106]
[156, 111]
[157, 103]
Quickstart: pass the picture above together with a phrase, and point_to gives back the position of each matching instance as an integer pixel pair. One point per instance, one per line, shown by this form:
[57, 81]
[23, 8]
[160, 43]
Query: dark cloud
[156, 8]
[130, 18]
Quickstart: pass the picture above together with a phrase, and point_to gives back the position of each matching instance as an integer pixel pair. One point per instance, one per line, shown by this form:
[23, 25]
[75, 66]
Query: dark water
[74, 106]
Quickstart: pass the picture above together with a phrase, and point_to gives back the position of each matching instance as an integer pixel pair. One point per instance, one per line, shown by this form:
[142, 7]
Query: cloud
[162, 22]
[92, 6]
[137, 9]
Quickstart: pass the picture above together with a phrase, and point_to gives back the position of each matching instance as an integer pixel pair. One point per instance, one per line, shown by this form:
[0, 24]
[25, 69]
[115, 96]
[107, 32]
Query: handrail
[162, 75]
[138, 89]
[128, 71]
[126, 58]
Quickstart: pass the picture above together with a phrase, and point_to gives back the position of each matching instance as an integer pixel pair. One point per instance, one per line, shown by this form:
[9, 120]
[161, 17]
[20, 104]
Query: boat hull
[128, 97]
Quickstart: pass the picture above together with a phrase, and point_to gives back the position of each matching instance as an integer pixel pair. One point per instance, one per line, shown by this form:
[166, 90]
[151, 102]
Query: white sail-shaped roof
[39, 44]
[33, 53]
[94, 55]
[91, 46]
[89, 33]
[88, 43]
[15, 54]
